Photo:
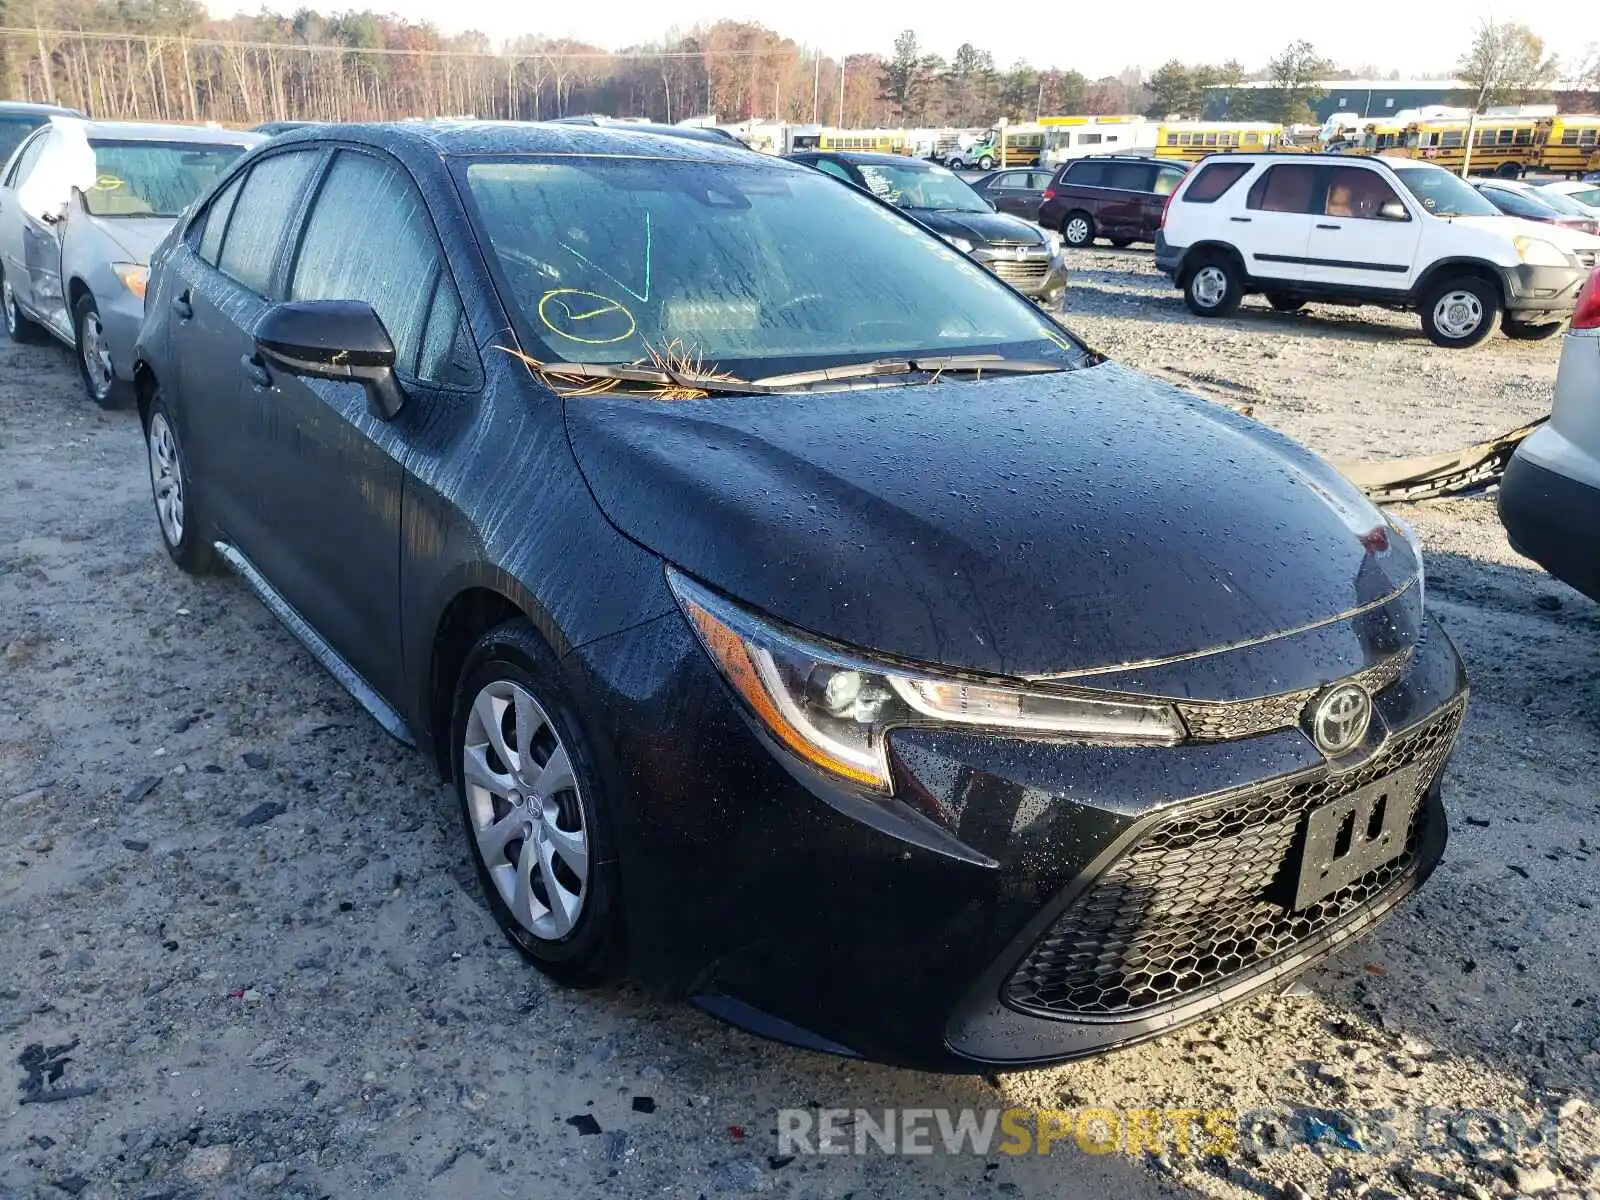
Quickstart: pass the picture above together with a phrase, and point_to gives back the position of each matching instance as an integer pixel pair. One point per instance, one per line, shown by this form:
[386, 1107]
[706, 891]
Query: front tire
[1460, 312]
[1077, 229]
[533, 811]
[94, 355]
[1526, 331]
[1122, 243]
[1213, 288]
[1285, 304]
[986, 163]
[22, 329]
[184, 531]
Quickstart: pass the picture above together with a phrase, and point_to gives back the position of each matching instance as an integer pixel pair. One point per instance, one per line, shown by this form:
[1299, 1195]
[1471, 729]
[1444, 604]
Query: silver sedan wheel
[1458, 314]
[527, 818]
[1210, 286]
[166, 479]
[8, 300]
[96, 353]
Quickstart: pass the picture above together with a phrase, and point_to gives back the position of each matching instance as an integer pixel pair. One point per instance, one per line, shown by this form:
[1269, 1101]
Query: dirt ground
[252, 917]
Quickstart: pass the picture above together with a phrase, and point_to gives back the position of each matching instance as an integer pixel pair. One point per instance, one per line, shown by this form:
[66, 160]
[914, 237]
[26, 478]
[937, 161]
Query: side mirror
[1393, 210]
[333, 339]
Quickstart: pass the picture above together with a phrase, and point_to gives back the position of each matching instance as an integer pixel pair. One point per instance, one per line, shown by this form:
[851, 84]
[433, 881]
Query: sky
[1411, 36]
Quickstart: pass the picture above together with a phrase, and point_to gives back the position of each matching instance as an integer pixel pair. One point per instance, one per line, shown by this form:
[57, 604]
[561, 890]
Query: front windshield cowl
[732, 266]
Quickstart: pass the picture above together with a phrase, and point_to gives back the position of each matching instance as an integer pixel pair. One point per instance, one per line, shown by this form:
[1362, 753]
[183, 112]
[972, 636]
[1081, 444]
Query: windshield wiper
[628, 373]
[946, 364]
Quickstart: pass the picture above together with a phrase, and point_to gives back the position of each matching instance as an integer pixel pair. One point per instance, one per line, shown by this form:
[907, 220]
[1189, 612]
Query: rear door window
[1087, 174]
[1290, 189]
[1130, 177]
[215, 222]
[1213, 182]
[268, 199]
[402, 274]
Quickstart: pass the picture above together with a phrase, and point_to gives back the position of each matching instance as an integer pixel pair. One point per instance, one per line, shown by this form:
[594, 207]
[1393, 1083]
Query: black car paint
[775, 896]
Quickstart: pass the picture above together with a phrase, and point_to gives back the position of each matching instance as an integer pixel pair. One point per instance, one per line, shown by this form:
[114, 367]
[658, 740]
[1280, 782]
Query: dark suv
[1117, 197]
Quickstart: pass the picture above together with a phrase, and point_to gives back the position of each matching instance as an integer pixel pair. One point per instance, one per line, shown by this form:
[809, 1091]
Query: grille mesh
[1204, 896]
[1026, 271]
[1246, 718]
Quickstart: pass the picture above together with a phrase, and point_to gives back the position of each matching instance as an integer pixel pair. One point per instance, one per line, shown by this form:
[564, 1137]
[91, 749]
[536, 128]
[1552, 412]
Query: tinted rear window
[1086, 174]
[1214, 181]
[1285, 189]
[14, 131]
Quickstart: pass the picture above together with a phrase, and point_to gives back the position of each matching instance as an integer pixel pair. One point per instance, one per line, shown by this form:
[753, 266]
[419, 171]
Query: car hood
[985, 228]
[136, 237]
[1023, 526]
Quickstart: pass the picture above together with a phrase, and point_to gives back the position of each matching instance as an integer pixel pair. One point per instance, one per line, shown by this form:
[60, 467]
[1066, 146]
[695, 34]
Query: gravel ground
[246, 955]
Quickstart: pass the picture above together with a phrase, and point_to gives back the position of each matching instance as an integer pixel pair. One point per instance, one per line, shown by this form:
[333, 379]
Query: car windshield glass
[733, 267]
[1591, 197]
[1444, 195]
[921, 187]
[152, 179]
[13, 131]
[1564, 205]
[1518, 204]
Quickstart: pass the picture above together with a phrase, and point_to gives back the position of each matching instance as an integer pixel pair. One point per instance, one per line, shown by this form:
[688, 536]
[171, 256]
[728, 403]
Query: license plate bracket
[1354, 834]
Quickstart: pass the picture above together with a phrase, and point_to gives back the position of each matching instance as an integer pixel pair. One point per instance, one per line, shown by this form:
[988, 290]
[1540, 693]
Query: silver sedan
[82, 205]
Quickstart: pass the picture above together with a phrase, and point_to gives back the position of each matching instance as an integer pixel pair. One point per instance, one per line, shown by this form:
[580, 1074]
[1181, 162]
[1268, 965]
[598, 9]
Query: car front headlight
[134, 276]
[1536, 252]
[834, 708]
[960, 243]
[1403, 527]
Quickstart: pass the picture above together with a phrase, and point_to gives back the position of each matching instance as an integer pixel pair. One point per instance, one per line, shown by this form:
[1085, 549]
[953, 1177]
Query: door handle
[1327, 226]
[255, 370]
[1241, 220]
[181, 305]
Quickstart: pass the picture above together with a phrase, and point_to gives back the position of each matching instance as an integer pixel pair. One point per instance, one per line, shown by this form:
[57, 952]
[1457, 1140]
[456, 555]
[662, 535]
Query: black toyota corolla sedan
[808, 624]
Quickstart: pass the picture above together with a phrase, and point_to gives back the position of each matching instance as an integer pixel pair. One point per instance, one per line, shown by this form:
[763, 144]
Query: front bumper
[1539, 290]
[1552, 519]
[895, 929]
[1038, 273]
[121, 314]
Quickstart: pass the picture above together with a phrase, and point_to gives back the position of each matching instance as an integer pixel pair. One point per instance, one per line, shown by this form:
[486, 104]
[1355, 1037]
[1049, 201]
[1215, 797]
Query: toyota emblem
[1339, 719]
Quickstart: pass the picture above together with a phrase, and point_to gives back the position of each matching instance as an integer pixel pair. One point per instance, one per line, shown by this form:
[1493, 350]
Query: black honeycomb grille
[1221, 722]
[1205, 895]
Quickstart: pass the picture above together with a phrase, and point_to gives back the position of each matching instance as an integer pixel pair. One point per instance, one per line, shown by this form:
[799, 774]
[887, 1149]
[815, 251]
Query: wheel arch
[1454, 268]
[144, 389]
[1198, 253]
[77, 289]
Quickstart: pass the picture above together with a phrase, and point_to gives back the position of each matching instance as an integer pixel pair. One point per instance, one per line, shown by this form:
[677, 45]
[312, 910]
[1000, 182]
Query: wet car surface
[705, 602]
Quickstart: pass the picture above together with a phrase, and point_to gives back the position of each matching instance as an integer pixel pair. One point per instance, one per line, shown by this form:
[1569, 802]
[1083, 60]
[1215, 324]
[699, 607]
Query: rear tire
[1460, 312]
[1285, 304]
[21, 328]
[536, 822]
[1077, 229]
[1526, 331]
[1508, 171]
[185, 532]
[1213, 287]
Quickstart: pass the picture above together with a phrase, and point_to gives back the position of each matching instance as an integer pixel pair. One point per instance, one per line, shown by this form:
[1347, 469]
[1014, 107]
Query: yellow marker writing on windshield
[586, 317]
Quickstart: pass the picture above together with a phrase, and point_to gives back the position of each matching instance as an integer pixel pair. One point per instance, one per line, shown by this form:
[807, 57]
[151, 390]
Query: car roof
[453, 139]
[24, 107]
[156, 131]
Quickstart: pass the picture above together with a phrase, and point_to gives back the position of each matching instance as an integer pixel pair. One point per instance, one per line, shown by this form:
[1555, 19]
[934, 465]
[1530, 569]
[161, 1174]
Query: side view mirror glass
[333, 339]
[1393, 210]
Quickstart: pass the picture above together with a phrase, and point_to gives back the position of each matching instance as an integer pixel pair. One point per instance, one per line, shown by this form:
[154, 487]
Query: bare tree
[1505, 62]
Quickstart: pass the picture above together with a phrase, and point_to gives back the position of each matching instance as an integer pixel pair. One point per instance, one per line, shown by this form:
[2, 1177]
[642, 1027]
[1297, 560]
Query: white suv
[1550, 496]
[1299, 227]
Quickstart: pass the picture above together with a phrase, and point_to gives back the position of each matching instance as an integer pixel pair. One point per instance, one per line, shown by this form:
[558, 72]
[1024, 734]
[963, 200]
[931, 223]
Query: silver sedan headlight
[834, 708]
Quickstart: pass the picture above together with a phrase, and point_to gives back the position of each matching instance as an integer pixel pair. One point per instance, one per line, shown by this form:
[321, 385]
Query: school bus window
[1524, 137]
[1453, 138]
[1211, 139]
[1172, 139]
[1569, 137]
[1503, 137]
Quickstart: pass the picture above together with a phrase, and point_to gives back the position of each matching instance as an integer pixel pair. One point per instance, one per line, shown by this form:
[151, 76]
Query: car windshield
[1519, 204]
[152, 179]
[1564, 205]
[921, 187]
[1590, 197]
[746, 268]
[14, 130]
[1444, 195]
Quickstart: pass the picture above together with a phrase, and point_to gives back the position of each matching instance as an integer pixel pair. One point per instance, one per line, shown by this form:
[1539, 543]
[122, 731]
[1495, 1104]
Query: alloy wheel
[1078, 231]
[96, 353]
[8, 300]
[166, 478]
[1458, 314]
[1210, 286]
[526, 813]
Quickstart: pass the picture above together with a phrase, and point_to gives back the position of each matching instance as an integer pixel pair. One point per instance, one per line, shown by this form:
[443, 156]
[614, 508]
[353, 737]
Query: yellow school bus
[1505, 146]
[1193, 140]
[1573, 146]
[865, 141]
